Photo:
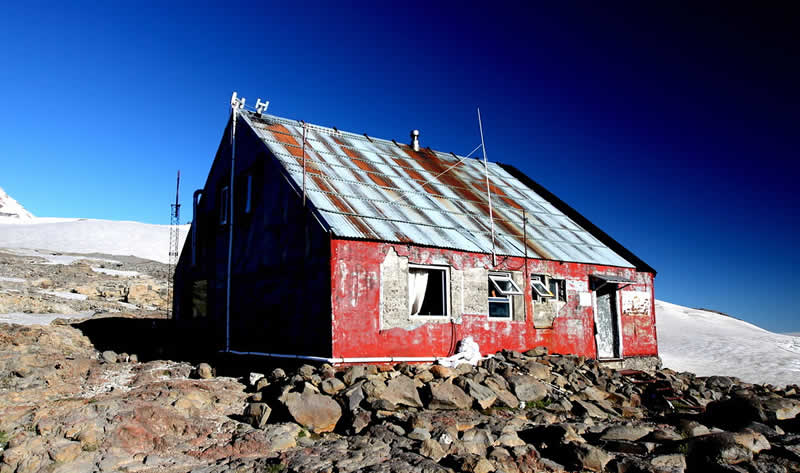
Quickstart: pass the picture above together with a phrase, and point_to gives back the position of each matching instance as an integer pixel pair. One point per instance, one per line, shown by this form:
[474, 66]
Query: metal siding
[376, 189]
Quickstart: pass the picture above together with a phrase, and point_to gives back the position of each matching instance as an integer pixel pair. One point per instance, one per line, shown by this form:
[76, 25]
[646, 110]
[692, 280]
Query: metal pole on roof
[525, 244]
[488, 189]
[304, 164]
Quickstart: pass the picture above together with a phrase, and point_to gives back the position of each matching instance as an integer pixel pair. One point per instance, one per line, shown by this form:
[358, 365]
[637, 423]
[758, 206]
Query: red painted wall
[355, 301]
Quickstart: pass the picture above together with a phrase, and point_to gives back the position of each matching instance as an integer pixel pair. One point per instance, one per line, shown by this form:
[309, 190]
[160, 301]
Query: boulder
[673, 462]
[579, 456]
[361, 420]
[353, 373]
[257, 414]
[316, 412]
[447, 395]
[753, 441]
[780, 409]
[499, 386]
[307, 372]
[277, 375]
[432, 449]
[707, 451]
[691, 428]
[332, 386]
[402, 391]
[719, 383]
[482, 395]
[626, 432]
[353, 397]
[65, 452]
[537, 351]
[204, 371]
[441, 372]
[109, 356]
[282, 437]
[528, 388]
[538, 370]
[589, 408]
[419, 434]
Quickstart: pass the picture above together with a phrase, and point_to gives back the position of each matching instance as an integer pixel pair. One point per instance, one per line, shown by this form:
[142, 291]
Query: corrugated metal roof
[371, 188]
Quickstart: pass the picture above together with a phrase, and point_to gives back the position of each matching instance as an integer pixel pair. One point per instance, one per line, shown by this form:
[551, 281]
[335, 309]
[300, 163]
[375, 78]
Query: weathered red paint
[355, 299]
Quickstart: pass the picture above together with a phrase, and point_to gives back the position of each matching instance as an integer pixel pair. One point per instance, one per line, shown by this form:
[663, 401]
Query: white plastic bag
[468, 352]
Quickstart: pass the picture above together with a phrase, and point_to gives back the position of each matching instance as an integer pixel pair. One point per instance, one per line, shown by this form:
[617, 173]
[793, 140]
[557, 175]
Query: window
[501, 290]
[248, 192]
[224, 205]
[427, 291]
[559, 289]
[544, 288]
[539, 289]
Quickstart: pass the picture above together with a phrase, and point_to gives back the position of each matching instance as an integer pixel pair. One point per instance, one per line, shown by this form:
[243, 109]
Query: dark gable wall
[280, 291]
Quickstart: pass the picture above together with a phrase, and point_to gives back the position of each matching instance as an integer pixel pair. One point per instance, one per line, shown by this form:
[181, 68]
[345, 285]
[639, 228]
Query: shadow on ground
[163, 339]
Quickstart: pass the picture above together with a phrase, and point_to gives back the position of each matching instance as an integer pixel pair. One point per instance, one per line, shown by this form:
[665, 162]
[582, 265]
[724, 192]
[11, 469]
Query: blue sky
[673, 128]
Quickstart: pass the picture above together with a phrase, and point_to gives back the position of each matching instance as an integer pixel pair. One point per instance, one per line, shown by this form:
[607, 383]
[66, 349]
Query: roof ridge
[361, 137]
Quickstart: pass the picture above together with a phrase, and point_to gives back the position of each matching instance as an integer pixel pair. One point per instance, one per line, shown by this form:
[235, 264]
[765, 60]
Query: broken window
[427, 291]
[501, 290]
[559, 289]
[224, 205]
[539, 288]
[544, 288]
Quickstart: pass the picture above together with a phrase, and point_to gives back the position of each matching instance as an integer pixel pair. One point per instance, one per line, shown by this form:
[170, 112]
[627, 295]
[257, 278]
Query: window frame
[248, 202]
[561, 288]
[541, 296]
[445, 290]
[506, 297]
[493, 277]
[225, 205]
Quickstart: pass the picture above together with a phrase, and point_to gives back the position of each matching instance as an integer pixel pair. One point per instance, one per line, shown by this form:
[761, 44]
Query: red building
[339, 246]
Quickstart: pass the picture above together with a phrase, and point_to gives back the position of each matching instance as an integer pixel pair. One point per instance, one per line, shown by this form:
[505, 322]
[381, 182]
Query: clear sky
[673, 128]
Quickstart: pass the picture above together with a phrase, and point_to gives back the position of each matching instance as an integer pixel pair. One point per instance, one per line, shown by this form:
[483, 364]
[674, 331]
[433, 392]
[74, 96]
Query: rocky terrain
[45, 282]
[64, 406]
[71, 400]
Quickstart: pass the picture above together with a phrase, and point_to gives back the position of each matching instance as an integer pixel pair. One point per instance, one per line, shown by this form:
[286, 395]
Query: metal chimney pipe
[415, 140]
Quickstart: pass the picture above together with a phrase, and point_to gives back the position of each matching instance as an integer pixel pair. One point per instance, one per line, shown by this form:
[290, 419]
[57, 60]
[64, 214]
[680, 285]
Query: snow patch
[51, 258]
[66, 295]
[39, 319]
[142, 240]
[115, 272]
[708, 343]
[5, 279]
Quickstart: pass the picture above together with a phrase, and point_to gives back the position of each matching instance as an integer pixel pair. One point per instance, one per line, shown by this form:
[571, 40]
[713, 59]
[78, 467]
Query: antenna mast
[488, 187]
[174, 240]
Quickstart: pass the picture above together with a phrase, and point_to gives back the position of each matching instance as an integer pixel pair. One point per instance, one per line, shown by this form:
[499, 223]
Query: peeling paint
[636, 302]
[360, 330]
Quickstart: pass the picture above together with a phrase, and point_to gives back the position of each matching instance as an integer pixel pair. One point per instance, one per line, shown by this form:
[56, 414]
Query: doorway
[606, 323]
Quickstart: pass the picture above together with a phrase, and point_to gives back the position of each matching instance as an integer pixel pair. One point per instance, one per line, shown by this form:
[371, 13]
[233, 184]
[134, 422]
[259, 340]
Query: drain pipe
[379, 359]
[236, 104]
[196, 195]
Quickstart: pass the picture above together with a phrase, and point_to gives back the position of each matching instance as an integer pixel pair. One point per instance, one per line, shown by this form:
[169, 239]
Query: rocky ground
[64, 406]
[41, 282]
[68, 403]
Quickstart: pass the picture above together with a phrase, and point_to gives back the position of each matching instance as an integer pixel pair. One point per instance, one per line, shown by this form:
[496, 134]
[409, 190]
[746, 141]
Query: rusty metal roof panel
[370, 188]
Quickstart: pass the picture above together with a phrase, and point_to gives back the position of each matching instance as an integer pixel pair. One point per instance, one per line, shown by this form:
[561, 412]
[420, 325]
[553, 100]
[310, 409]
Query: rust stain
[413, 174]
[342, 206]
[431, 163]
[481, 185]
[358, 160]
